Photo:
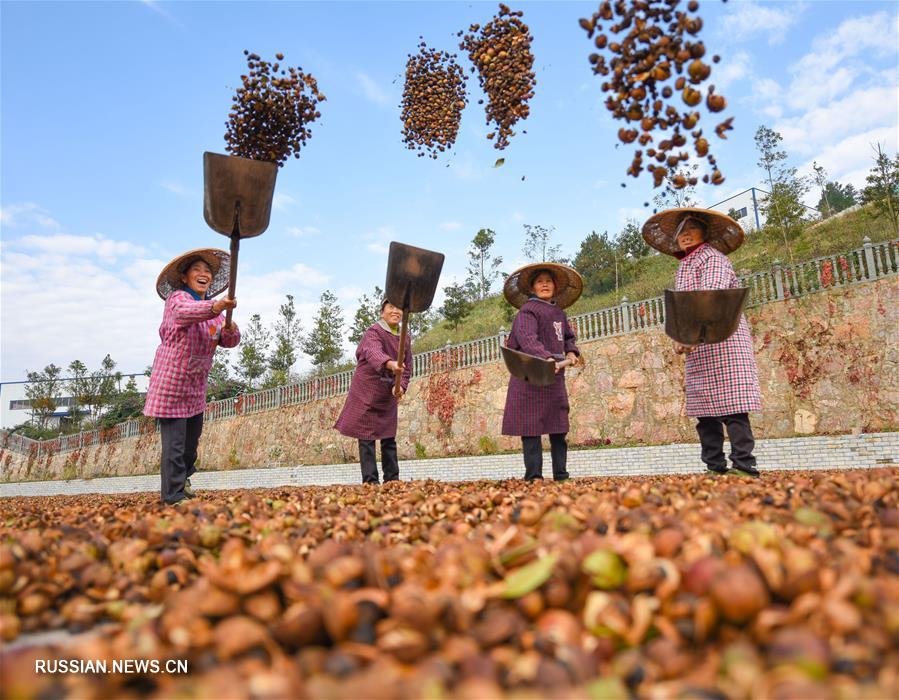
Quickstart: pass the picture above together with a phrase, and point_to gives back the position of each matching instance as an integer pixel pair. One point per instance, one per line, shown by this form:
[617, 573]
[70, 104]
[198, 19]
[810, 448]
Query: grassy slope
[652, 274]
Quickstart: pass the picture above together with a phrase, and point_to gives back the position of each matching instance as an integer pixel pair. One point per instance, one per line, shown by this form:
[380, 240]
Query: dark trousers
[533, 456]
[389, 462]
[711, 435]
[180, 437]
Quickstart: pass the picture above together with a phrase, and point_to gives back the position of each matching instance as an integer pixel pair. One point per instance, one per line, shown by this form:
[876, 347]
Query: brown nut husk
[428, 615]
[271, 116]
[650, 52]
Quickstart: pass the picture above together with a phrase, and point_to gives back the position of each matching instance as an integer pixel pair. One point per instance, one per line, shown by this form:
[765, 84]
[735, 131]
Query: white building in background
[747, 208]
[15, 408]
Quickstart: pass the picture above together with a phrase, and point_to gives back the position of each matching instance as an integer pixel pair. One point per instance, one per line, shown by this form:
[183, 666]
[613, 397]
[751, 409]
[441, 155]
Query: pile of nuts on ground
[666, 587]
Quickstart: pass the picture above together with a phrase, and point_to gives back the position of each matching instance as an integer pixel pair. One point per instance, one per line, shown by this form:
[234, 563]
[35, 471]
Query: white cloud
[854, 36]
[805, 93]
[837, 104]
[282, 202]
[450, 226]
[176, 188]
[372, 90]
[379, 239]
[518, 217]
[731, 70]
[862, 110]
[66, 297]
[348, 294]
[99, 246]
[767, 97]
[749, 19]
[303, 231]
[26, 214]
[839, 100]
[160, 10]
[838, 59]
[296, 276]
[849, 160]
[263, 293]
[627, 213]
[76, 305]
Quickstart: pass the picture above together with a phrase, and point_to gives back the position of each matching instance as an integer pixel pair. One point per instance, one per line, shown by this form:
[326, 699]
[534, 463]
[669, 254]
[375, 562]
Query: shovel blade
[704, 316]
[237, 194]
[412, 276]
[528, 368]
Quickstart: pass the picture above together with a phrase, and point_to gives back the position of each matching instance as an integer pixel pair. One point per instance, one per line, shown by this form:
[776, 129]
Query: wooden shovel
[532, 369]
[412, 277]
[237, 201]
[704, 315]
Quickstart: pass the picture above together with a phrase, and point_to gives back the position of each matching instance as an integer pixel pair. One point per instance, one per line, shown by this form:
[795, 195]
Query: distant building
[15, 408]
[746, 207]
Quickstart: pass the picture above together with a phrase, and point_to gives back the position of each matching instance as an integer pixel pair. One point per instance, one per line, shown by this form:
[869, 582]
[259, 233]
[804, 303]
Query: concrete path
[865, 451]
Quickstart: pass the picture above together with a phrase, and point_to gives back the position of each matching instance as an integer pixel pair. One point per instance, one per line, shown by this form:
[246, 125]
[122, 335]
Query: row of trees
[602, 260]
[267, 356]
[881, 192]
[94, 399]
[784, 209]
[605, 260]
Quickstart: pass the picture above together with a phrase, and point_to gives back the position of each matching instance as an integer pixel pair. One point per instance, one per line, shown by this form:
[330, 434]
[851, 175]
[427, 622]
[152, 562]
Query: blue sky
[107, 108]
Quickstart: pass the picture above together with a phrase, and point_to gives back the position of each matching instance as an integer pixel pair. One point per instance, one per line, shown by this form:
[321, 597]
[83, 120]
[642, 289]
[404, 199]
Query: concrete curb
[866, 451]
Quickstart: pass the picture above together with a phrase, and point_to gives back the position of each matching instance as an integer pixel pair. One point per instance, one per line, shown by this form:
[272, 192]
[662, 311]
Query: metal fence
[870, 262]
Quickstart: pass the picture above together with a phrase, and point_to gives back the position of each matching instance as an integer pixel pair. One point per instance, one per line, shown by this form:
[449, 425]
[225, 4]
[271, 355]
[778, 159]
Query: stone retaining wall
[828, 364]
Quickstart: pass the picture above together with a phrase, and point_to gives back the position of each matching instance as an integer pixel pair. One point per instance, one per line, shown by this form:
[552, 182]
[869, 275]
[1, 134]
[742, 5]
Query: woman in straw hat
[541, 291]
[192, 327]
[722, 383]
[370, 411]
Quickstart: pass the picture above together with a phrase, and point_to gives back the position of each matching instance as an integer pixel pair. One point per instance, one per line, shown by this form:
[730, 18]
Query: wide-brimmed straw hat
[660, 230]
[218, 260]
[518, 287]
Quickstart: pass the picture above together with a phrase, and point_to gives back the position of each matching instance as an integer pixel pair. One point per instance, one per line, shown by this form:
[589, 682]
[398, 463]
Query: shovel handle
[397, 389]
[232, 281]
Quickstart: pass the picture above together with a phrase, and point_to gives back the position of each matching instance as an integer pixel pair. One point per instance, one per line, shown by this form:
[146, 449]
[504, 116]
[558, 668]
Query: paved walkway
[819, 452]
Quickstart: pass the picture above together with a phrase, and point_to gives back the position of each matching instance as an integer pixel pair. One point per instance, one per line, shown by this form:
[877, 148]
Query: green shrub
[488, 445]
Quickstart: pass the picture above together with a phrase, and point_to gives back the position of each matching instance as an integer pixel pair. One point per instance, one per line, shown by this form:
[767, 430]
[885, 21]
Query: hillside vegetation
[649, 276]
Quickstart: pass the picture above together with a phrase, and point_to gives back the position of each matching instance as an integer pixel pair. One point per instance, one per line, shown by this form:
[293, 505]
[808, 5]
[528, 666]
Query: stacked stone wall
[828, 364]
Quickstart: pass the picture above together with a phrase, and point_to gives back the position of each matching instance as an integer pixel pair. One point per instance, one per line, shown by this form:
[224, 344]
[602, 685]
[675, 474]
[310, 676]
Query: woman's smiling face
[391, 314]
[198, 277]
